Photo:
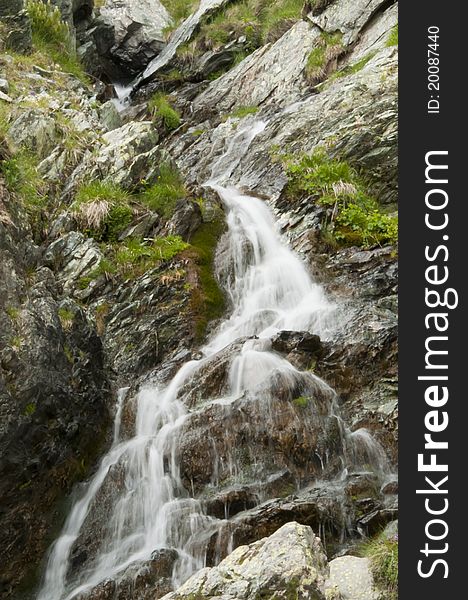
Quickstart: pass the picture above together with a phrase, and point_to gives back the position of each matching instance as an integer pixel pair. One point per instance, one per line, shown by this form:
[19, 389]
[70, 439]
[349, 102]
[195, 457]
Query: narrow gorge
[198, 300]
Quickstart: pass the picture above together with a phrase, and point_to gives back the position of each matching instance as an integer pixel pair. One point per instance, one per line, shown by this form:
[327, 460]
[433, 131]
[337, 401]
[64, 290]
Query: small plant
[244, 111]
[393, 37]
[52, 36]
[103, 209]
[12, 312]
[302, 401]
[30, 409]
[162, 112]
[136, 256]
[66, 317]
[354, 216]
[164, 194]
[328, 47]
[383, 555]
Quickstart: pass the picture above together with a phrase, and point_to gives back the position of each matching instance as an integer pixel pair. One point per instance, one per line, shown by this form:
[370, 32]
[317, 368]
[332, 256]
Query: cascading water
[148, 507]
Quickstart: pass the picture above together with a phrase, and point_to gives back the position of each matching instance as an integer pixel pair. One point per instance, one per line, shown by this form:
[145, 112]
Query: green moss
[163, 113]
[29, 409]
[244, 111]
[355, 218]
[383, 555]
[164, 194]
[302, 401]
[208, 299]
[52, 36]
[392, 39]
[355, 68]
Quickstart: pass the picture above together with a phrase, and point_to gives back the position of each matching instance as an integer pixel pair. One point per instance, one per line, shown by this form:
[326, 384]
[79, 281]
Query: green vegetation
[328, 47]
[66, 317]
[259, 21]
[393, 37]
[354, 217]
[208, 300]
[30, 409]
[162, 112]
[12, 312]
[354, 68]
[22, 179]
[103, 209]
[180, 10]
[244, 111]
[383, 556]
[302, 401]
[52, 36]
[163, 195]
[136, 256]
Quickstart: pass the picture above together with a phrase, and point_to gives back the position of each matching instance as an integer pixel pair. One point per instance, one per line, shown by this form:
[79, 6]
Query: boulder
[34, 131]
[351, 579]
[289, 563]
[134, 32]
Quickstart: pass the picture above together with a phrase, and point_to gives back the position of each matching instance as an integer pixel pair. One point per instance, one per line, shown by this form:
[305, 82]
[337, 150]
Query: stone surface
[290, 562]
[352, 577]
[136, 32]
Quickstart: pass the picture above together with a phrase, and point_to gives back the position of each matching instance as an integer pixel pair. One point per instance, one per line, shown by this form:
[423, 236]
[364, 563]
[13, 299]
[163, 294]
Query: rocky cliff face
[109, 245]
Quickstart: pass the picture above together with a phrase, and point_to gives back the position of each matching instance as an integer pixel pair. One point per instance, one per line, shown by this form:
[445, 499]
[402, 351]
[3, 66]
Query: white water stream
[270, 290]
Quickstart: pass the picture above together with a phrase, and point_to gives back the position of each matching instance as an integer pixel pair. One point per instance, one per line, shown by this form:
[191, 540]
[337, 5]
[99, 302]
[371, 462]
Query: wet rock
[135, 32]
[144, 581]
[186, 219]
[291, 561]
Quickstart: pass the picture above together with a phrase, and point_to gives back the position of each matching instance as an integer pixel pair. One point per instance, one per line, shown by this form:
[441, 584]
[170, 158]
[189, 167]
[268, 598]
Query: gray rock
[35, 131]
[137, 28]
[289, 562]
[351, 577]
[110, 116]
[126, 155]
[4, 86]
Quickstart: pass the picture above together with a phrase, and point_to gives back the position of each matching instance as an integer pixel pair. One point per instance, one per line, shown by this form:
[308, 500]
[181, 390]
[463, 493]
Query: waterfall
[147, 506]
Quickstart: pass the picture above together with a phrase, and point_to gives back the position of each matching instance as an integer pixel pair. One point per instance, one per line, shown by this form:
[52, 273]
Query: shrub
[354, 216]
[103, 208]
[163, 113]
[22, 178]
[52, 36]
[164, 194]
[383, 556]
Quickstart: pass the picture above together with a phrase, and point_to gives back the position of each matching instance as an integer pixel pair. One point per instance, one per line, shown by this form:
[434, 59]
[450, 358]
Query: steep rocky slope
[109, 245]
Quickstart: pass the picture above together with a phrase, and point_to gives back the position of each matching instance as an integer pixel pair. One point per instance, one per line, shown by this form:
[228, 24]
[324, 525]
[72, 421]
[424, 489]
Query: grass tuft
[163, 195]
[52, 36]
[393, 37]
[383, 556]
[354, 217]
[163, 113]
[103, 209]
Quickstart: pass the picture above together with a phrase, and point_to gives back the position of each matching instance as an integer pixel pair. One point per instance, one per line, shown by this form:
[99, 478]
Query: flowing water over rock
[148, 493]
